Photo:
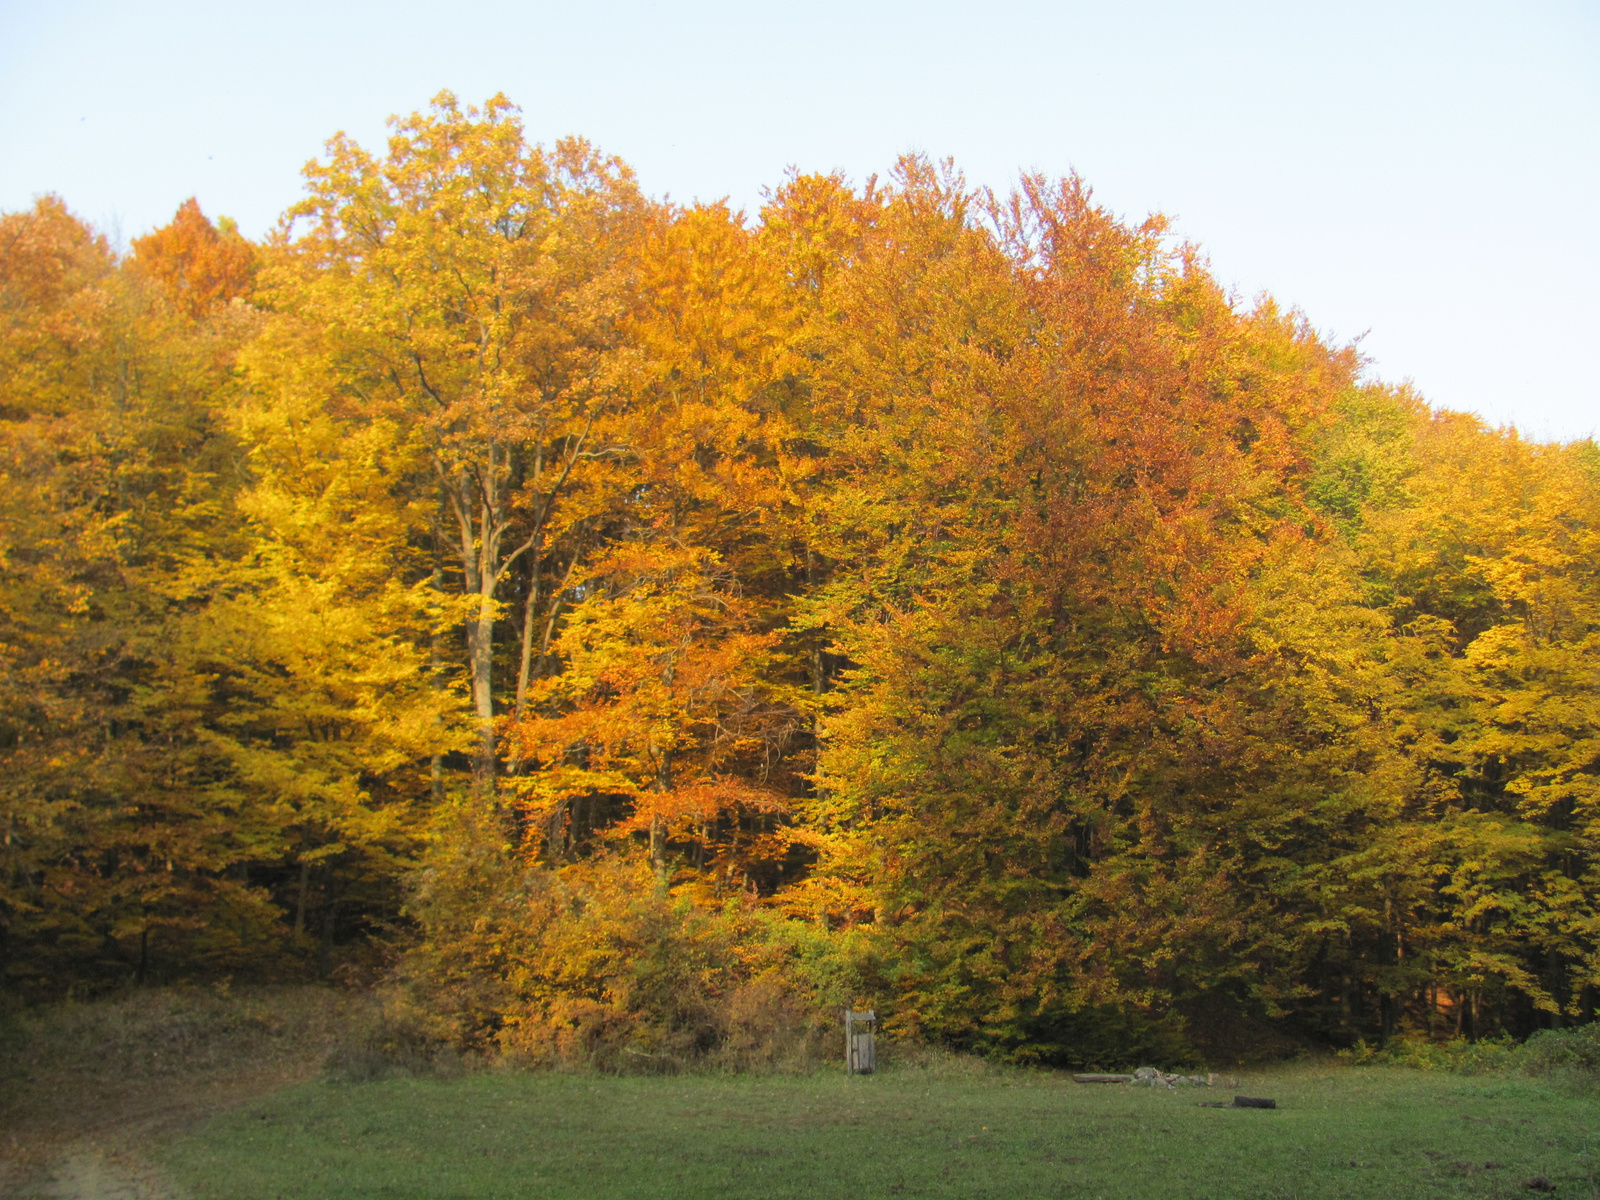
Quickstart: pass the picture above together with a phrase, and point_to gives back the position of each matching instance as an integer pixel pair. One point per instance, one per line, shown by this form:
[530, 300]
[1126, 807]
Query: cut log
[1253, 1102]
[1102, 1078]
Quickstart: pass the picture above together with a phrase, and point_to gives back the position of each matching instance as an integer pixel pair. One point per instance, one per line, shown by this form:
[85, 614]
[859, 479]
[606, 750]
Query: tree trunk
[436, 664]
[330, 912]
[480, 650]
[1555, 984]
[530, 605]
[300, 899]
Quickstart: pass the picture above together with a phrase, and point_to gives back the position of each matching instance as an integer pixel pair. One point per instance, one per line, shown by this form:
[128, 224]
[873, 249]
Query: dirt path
[85, 1173]
[97, 1088]
[92, 1150]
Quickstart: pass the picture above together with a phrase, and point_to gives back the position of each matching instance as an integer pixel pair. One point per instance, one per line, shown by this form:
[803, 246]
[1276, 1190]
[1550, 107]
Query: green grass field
[948, 1131]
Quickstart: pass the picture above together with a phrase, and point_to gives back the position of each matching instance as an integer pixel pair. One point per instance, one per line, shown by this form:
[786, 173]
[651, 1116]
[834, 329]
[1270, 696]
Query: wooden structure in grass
[860, 1042]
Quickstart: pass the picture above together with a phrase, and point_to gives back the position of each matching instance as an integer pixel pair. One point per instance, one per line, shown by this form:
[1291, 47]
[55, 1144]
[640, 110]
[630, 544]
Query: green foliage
[1569, 1056]
[1574, 1051]
[1457, 1055]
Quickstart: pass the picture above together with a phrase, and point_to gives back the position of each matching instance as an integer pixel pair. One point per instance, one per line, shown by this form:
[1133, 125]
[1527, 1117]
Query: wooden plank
[860, 1042]
[1102, 1078]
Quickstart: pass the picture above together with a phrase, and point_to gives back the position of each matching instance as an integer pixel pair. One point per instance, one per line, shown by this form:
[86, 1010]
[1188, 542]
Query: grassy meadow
[275, 1094]
[952, 1129]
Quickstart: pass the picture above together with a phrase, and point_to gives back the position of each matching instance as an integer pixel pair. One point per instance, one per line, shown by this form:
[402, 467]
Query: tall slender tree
[464, 289]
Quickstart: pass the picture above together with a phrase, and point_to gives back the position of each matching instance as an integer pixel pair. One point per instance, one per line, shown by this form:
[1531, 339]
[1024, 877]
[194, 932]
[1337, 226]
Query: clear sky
[1424, 173]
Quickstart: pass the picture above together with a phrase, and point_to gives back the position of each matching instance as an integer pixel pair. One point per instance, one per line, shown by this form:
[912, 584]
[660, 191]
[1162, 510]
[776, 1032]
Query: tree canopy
[629, 623]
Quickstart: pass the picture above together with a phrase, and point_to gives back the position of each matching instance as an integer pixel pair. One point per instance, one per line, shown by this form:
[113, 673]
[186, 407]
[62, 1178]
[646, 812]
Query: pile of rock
[1150, 1077]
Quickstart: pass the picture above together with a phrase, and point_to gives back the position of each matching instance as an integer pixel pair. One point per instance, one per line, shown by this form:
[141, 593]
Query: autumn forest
[634, 630]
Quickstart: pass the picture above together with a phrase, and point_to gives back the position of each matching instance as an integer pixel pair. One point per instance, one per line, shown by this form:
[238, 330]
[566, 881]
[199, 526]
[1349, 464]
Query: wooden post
[860, 1042]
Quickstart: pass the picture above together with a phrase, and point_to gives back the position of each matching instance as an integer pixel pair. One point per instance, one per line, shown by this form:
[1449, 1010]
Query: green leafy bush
[1573, 1053]
[1458, 1055]
[1570, 1056]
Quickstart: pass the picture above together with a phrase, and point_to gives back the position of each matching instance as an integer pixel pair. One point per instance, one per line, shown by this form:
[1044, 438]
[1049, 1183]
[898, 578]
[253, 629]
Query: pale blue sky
[1426, 172]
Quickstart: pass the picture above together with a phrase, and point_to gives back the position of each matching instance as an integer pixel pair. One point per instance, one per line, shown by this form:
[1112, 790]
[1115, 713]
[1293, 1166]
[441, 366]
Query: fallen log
[1253, 1102]
[1102, 1078]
